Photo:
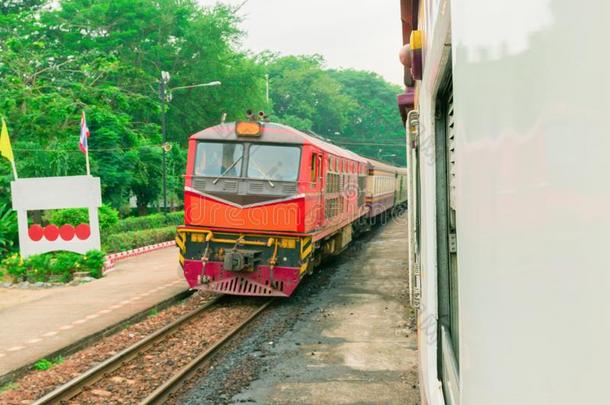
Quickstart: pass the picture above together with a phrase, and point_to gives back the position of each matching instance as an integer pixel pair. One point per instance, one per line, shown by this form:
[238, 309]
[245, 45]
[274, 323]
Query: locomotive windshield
[271, 162]
[255, 161]
[219, 159]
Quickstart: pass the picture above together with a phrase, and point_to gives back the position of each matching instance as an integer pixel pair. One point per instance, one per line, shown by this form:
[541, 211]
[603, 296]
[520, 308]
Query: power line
[90, 149]
[369, 143]
[241, 5]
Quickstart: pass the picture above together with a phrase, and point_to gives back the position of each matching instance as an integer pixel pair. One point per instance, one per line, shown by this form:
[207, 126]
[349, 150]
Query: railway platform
[37, 323]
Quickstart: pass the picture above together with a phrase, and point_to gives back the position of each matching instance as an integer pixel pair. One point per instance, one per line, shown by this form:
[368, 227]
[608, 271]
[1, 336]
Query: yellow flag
[5, 144]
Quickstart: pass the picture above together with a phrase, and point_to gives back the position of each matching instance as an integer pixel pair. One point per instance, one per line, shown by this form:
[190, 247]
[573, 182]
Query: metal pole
[164, 134]
[267, 82]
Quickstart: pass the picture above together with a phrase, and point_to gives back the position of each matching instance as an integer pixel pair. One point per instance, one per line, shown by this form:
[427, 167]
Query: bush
[8, 229]
[62, 265]
[57, 265]
[14, 266]
[93, 262]
[147, 222]
[119, 242]
[108, 216]
[38, 268]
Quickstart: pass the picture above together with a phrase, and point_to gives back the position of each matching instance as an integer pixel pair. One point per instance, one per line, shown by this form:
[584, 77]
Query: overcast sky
[359, 34]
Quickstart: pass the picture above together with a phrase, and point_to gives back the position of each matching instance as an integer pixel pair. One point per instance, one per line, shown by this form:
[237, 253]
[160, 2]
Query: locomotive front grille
[229, 186]
[239, 285]
[199, 184]
[289, 189]
[256, 187]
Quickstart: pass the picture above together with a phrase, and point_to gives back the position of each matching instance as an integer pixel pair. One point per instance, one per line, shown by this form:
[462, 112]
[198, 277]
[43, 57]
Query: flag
[84, 134]
[5, 144]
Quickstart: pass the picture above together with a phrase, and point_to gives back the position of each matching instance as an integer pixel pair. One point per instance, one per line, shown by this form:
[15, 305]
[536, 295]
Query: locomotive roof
[275, 133]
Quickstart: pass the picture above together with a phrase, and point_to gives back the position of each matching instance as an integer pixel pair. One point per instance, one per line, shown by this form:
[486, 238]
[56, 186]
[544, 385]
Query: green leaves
[105, 57]
[44, 364]
[108, 217]
[56, 266]
[8, 229]
[357, 110]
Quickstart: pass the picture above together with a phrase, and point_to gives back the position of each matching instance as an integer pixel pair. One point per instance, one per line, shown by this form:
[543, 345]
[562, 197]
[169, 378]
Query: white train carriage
[400, 187]
[509, 155]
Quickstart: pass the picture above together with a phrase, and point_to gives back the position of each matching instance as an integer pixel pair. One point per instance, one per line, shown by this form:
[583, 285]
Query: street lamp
[165, 95]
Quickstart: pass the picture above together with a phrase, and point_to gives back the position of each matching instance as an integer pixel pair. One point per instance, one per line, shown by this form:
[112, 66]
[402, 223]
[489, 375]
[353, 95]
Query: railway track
[171, 384]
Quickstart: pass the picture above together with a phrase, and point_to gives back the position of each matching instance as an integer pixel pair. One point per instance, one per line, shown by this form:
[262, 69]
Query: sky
[359, 34]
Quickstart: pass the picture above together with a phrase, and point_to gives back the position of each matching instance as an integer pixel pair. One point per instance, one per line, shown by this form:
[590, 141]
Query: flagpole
[87, 160]
[84, 143]
[14, 169]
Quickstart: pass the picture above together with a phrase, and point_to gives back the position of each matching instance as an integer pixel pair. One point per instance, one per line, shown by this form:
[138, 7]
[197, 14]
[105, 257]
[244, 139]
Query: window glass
[314, 165]
[272, 162]
[219, 159]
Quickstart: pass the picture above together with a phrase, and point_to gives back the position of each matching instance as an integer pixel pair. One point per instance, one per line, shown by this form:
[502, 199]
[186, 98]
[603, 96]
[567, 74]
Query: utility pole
[165, 77]
[267, 81]
[165, 95]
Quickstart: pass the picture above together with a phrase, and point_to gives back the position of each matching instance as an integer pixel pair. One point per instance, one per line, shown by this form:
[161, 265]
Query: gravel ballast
[37, 383]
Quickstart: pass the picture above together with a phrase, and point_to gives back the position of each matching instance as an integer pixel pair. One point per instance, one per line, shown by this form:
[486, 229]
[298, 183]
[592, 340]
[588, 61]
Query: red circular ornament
[35, 232]
[66, 232]
[51, 232]
[83, 231]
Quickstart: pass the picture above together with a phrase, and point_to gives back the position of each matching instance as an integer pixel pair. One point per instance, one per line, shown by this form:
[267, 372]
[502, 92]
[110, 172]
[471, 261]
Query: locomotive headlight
[248, 128]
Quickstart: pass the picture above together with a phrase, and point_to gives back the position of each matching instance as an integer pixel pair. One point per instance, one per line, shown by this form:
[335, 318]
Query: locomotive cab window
[219, 159]
[274, 162]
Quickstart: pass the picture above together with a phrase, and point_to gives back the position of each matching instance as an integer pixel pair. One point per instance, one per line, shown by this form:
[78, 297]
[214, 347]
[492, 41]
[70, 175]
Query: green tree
[105, 57]
[145, 182]
[306, 96]
[354, 109]
[376, 123]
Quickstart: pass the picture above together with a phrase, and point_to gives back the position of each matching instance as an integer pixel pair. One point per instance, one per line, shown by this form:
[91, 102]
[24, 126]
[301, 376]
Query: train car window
[314, 167]
[274, 162]
[219, 159]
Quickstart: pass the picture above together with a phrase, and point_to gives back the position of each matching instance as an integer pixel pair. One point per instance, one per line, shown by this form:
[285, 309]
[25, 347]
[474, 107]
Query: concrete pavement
[35, 323]
[357, 346]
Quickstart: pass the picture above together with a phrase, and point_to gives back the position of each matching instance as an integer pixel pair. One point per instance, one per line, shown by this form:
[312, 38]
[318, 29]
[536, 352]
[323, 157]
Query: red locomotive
[265, 202]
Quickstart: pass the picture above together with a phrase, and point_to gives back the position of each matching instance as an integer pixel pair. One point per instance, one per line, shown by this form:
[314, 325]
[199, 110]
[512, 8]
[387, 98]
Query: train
[265, 203]
[505, 113]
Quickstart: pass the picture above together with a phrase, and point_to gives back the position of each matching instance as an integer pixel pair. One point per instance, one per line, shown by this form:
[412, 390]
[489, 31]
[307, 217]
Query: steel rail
[76, 385]
[163, 392]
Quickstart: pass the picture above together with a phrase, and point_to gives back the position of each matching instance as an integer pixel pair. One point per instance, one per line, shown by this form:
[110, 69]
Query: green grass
[153, 312]
[8, 387]
[44, 364]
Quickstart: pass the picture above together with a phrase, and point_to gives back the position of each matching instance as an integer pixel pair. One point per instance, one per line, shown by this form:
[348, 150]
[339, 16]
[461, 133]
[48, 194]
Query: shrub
[108, 216]
[93, 262]
[62, 265]
[38, 268]
[57, 265]
[119, 242]
[147, 222]
[8, 229]
[15, 266]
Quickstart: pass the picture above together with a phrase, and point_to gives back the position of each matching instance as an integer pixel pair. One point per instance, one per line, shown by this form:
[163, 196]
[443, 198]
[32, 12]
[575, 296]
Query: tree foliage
[354, 109]
[105, 57]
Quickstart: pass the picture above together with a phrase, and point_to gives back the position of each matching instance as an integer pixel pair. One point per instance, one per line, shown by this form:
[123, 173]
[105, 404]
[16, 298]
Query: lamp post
[165, 95]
